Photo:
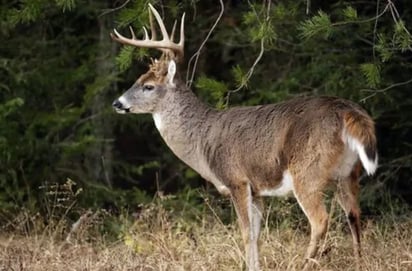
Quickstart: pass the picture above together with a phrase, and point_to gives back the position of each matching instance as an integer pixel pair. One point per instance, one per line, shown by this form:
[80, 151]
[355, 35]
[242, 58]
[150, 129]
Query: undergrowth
[166, 234]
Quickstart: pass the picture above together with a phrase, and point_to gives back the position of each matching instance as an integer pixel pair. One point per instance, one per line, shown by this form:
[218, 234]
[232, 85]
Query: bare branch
[195, 56]
[376, 91]
[107, 11]
[375, 28]
[258, 58]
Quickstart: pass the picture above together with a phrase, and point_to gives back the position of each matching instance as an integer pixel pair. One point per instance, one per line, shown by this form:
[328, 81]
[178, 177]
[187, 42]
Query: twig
[366, 20]
[249, 73]
[375, 28]
[252, 68]
[376, 91]
[107, 11]
[195, 56]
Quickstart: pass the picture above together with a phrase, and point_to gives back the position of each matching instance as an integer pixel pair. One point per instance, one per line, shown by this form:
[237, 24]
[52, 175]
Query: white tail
[369, 164]
[298, 147]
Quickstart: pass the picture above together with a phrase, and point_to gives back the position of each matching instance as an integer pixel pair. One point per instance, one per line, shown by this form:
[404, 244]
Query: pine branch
[124, 58]
[319, 24]
[371, 72]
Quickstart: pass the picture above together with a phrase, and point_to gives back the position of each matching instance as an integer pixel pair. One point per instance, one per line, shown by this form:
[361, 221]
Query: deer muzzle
[120, 106]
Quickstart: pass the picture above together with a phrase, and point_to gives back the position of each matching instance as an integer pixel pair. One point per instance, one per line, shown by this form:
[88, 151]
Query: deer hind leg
[310, 198]
[249, 212]
[348, 190]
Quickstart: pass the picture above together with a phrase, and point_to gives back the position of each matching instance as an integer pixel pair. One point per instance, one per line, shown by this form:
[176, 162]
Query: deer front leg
[249, 212]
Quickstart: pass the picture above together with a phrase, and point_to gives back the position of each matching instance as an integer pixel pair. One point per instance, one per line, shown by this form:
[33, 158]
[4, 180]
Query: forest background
[61, 142]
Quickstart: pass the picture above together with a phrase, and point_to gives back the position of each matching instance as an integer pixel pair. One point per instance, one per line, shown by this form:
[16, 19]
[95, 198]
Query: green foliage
[318, 25]
[216, 89]
[140, 168]
[66, 4]
[124, 58]
[371, 72]
[350, 13]
[135, 14]
[258, 25]
[382, 47]
[29, 11]
[402, 38]
[239, 76]
[10, 106]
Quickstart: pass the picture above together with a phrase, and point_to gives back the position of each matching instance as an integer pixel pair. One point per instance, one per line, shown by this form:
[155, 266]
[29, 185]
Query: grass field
[160, 240]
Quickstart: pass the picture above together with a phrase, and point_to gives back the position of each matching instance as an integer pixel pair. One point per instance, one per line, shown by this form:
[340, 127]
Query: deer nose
[121, 105]
[117, 104]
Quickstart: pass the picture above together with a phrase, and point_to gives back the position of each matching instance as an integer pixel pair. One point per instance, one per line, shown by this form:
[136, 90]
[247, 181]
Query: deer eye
[148, 87]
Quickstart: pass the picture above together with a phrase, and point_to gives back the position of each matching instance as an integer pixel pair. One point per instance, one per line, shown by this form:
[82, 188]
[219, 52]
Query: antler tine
[117, 36]
[172, 36]
[132, 32]
[146, 35]
[152, 27]
[160, 22]
[182, 32]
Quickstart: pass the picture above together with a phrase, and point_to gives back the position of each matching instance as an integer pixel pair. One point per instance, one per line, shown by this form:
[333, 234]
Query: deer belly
[283, 189]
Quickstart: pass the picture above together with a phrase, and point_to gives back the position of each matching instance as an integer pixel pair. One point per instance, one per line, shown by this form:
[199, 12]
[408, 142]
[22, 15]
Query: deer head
[150, 88]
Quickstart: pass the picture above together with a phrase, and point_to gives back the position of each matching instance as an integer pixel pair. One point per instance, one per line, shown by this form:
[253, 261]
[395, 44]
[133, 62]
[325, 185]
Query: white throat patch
[158, 121]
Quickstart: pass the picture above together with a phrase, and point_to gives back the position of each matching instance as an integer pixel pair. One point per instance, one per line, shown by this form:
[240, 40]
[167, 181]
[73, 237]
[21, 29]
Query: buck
[300, 146]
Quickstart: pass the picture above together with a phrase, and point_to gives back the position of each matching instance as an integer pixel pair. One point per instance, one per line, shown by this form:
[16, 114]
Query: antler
[165, 45]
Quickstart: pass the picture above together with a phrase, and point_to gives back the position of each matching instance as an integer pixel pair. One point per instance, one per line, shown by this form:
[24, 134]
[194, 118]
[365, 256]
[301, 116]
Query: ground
[158, 240]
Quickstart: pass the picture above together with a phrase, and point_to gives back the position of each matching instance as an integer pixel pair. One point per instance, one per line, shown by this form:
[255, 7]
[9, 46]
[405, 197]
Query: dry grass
[160, 241]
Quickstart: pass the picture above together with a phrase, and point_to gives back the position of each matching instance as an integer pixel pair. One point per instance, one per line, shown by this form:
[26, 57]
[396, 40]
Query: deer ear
[171, 71]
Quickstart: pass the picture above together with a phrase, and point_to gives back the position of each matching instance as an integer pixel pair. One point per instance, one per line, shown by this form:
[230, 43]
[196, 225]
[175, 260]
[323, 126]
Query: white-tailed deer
[300, 146]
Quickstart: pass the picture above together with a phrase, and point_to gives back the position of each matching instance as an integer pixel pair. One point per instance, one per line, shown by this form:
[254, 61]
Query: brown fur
[157, 71]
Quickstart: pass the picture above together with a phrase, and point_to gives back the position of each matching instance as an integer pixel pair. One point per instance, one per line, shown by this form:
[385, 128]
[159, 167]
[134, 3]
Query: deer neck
[179, 119]
[184, 123]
